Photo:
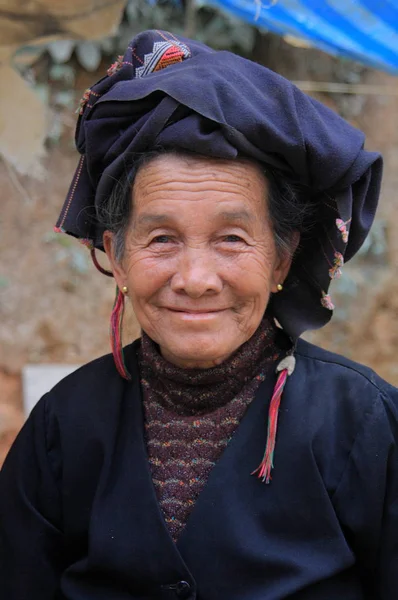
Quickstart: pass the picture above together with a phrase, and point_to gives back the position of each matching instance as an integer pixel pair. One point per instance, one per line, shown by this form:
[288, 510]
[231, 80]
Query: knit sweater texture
[191, 415]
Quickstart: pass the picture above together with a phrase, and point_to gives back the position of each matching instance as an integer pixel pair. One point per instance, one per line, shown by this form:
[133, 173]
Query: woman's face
[200, 259]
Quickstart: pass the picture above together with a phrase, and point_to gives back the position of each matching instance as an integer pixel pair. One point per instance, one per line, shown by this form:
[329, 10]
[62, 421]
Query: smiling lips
[196, 311]
[196, 314]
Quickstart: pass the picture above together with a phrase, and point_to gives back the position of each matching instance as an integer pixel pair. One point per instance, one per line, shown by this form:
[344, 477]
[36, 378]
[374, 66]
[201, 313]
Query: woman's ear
[284, 262]
[116, 266]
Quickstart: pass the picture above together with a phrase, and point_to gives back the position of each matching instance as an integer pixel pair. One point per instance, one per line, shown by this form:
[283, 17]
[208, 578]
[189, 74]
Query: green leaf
[65, 73]
[89, 55]
[61, 50]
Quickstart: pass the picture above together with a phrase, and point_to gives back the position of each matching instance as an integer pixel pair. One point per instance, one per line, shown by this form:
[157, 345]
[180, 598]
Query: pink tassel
[116, 334]
[285, 368]
[342, 227]
[326, 301]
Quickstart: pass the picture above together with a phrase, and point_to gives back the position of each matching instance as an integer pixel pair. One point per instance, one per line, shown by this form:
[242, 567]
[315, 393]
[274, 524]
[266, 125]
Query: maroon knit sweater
[191, 414]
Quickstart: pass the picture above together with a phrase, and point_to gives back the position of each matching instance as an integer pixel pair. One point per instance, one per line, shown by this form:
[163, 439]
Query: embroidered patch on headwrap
[164, 54]
[170, 92]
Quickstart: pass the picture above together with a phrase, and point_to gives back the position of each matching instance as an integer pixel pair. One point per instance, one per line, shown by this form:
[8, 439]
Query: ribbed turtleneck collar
[198, 391]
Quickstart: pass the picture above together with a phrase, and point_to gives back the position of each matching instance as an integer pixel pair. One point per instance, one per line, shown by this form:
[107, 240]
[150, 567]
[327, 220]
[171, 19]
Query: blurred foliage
[375, 245]
[52, 67]
[212, 27]
[66, 252]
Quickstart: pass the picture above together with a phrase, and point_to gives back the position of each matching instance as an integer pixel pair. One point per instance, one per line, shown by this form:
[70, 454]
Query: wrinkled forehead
[210, 165]
[234, 186]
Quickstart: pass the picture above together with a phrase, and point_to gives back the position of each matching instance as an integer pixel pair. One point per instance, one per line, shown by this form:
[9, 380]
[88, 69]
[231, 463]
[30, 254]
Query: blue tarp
[363, 30]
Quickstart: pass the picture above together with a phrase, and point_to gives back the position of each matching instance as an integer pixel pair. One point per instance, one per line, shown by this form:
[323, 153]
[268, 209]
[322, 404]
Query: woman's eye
[233, 238]
[161, 239]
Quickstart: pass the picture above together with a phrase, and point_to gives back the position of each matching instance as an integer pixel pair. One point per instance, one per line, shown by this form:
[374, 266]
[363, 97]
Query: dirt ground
[55, 307]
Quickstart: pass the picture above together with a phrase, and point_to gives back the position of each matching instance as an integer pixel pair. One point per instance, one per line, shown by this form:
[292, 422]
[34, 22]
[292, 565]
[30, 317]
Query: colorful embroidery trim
[116, 66]
[335, 270]
[83, 101]
[163, 55]
[342, 227]
[326, 301]
[87, 242]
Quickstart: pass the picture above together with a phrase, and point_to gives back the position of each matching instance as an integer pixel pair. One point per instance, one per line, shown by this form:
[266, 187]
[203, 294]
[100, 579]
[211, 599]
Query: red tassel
[263, 471]
[116, 334]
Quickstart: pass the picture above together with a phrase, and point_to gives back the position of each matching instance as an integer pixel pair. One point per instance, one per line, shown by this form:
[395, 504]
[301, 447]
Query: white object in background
[39, 379]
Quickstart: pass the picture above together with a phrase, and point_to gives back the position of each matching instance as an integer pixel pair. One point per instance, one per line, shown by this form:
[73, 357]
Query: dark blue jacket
[79, 518]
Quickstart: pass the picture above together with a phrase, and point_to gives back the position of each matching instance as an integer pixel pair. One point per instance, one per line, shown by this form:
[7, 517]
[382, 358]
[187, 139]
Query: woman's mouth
[189, 314]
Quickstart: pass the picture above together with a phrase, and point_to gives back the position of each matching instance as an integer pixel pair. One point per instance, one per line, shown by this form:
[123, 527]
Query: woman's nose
[196, 274]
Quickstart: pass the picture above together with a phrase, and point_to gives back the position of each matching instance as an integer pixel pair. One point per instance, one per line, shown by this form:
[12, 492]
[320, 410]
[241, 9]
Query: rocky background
[54, 305]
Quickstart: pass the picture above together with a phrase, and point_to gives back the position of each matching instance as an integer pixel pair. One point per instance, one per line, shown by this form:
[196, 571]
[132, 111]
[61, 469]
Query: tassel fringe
[116, 324]
[285, 368]
[116, 334]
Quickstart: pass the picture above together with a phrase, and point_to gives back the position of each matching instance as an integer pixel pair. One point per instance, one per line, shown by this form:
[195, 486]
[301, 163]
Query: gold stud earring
[125, 290]
[279, 287]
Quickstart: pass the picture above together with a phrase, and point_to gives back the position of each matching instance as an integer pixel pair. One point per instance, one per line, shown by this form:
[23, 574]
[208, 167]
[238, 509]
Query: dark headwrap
[170, 92]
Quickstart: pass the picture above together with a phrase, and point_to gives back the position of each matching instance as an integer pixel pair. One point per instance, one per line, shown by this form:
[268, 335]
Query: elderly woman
[226, 200]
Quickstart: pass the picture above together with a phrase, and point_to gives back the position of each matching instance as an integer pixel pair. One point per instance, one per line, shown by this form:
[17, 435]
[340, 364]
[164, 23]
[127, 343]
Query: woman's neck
[200, 390]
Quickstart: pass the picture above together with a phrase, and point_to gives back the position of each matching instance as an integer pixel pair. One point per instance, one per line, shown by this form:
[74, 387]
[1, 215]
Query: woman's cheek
[251, 271]
[148, 271]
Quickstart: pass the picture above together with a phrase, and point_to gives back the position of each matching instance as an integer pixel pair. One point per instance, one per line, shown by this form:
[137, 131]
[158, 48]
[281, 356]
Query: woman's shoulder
[341, 377]
[343, 411]
[345, 367]
[93, 385]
